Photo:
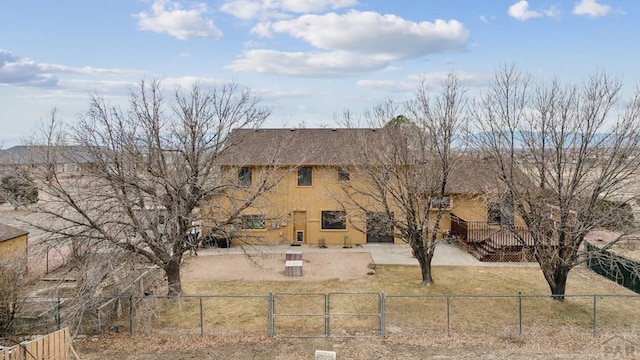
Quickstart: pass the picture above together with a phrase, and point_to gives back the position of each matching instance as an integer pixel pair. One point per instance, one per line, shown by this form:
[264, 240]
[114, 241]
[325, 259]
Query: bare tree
[148, 170]
[12, 280]
[561, 151]
[404, 177]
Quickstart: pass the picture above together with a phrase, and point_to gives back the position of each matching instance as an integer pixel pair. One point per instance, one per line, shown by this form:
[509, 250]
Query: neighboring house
[13, 244]
[306, 207]
[69, 160]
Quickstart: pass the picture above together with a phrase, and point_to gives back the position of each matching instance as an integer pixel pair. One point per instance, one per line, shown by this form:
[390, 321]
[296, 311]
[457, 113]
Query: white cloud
[387, 85]
[103, 86]
[438, 78]
[186, 82]
[373, 33]
[350, 44]
[520, 11]
[591, 8]
[265, 9]
[57, 95]
[262, 29]
[19, 71]
[86, 70]
[275, 94]
[244, 9]
[392, 68]
[313, 64]
[552, 11]
[169, 17]
[307, 6]
[433, 79]
[22, 71]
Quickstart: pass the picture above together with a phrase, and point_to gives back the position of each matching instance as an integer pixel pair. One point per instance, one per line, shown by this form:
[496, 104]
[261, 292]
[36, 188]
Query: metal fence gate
[322, 315]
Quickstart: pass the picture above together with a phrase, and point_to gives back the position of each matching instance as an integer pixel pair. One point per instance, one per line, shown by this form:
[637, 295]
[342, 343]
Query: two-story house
[305, 207]
[315, 167]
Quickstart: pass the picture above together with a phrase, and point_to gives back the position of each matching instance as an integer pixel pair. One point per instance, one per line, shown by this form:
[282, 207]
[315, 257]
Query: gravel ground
[267, 266]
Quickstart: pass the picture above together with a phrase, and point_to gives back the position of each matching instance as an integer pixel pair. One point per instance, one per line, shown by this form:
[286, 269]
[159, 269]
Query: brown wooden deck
[488, 242]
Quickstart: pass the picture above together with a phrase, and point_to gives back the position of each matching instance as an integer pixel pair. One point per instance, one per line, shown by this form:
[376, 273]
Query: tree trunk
[172, 270]
[424, 259]
[558, 284]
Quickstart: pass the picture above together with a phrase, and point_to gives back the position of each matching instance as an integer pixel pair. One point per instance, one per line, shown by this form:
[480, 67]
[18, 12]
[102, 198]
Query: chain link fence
[339, 314]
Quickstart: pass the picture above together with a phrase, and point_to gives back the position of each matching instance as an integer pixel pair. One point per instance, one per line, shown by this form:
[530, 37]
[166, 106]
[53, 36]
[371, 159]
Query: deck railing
[479, 231]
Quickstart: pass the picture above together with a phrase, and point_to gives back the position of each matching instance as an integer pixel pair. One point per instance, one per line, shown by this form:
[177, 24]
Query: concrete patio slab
[382, 254]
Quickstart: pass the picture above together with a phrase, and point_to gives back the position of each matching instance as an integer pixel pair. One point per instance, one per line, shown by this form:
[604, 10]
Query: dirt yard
[180, 347]
[268, 266]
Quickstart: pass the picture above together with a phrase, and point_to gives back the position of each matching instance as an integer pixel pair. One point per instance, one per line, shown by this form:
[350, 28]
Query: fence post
[99, 329]
[448, 316]
[270, 315]
[382, 309]
[201, 319]
[130, 315]
[519, 313]
[327, 330]
[58, 314]
[595, 319]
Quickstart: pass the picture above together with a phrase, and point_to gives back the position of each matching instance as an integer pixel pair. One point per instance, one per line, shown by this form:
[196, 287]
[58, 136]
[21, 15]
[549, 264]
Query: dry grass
[405, 280]
[409, 305]
[627, 248]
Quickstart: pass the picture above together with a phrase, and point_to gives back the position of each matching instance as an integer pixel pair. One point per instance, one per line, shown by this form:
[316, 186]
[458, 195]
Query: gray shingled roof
[473, 175]
[9, 232]
[246, 147]
[298, 146]
[23, 155]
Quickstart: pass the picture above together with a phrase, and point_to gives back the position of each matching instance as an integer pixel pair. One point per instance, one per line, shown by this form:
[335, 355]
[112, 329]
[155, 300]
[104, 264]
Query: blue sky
[307, 59]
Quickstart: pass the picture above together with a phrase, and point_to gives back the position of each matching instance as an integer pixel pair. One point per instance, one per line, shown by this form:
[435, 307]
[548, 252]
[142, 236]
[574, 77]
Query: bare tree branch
[149, 171]
[562, 150]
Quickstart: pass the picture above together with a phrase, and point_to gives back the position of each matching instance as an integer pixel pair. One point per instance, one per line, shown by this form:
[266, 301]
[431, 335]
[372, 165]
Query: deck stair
[491, 243]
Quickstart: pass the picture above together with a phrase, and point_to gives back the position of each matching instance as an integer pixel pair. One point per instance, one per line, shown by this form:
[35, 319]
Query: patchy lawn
[416, 326]
[390, 279]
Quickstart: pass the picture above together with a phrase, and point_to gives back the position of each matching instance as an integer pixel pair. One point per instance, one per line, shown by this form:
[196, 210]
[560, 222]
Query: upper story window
[305, 176]
[441, 202]
[244, 176]
[253, 222]
[494, 214]
[334, 219]
[384, 175]
[343, 174]
[500, 214]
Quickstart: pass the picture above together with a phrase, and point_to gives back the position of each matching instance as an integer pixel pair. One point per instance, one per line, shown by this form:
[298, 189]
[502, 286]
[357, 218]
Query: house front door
[299, 227]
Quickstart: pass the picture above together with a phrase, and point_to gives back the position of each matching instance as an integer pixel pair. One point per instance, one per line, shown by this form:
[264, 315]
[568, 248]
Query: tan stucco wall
[325, 193]
[469, 207]
[287, 197]
[474, 208]
[14, 248]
